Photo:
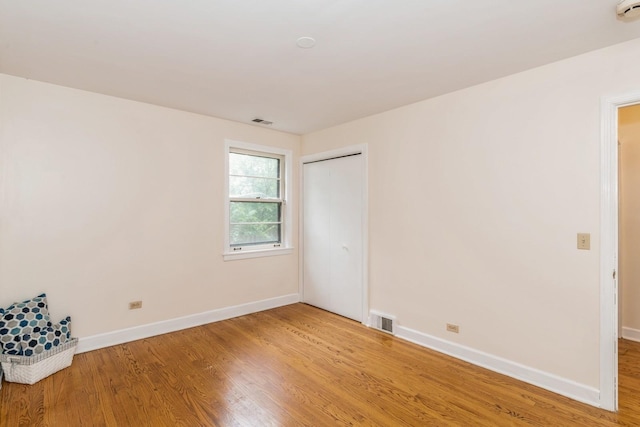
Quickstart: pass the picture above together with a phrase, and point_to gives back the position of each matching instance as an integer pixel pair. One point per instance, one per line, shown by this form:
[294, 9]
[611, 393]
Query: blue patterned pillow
[9, 344]
[27, 317]
[46, 339]
[65, 326]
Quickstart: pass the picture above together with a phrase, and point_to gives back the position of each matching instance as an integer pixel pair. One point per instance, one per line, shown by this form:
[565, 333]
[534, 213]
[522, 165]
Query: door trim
[609, 246]
[361, 149]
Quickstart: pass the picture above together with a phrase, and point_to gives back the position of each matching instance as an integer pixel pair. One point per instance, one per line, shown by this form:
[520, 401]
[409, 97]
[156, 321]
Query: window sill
[232, 256]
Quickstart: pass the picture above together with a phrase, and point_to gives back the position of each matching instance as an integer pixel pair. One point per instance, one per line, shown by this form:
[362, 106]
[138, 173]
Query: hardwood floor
[295, 366]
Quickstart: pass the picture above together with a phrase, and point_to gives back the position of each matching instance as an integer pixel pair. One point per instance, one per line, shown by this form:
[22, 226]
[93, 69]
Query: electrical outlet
[133, 305]
[453, 328]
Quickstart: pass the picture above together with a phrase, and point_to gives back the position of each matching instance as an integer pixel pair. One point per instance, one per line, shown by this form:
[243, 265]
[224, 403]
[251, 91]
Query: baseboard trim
[551, 382]
[121, 336]
[631, 334]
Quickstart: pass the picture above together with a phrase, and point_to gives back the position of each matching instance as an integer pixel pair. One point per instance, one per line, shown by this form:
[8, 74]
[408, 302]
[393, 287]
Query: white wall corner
[631, 334]
[551, 382]
[121, 336]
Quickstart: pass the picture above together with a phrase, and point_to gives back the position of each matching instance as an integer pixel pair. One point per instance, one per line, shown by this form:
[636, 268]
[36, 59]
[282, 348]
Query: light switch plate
[584, 241]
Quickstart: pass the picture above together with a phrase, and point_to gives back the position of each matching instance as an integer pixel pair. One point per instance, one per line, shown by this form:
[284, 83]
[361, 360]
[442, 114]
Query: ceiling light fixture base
[306, 42]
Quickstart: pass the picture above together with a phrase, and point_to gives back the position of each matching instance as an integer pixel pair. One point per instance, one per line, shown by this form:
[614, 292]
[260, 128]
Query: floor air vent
[383, 322]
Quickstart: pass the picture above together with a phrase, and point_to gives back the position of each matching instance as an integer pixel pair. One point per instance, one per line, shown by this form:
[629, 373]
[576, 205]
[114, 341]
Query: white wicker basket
[31, 369]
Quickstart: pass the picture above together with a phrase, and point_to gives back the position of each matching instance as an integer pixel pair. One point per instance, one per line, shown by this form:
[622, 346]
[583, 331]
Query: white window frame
[284, 247]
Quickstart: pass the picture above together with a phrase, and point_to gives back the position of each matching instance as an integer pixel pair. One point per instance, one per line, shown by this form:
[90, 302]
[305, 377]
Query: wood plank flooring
[295, 366]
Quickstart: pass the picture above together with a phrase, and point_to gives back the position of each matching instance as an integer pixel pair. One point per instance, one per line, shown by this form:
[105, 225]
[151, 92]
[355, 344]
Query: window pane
[252, 165]
[241, 186]
[254, 234]
[254, 212]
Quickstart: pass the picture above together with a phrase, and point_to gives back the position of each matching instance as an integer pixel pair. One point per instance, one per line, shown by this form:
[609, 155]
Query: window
[255, 199]
[257, 214]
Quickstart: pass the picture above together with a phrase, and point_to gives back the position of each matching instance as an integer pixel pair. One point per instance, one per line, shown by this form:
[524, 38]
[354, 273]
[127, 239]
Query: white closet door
[333, 210]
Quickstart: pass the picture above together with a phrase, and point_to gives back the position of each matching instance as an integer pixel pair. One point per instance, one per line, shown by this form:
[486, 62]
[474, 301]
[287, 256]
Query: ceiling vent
[628, 8]
[262, 122]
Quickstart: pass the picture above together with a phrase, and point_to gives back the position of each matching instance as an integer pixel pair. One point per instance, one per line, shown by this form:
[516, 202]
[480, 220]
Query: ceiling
[238, 59]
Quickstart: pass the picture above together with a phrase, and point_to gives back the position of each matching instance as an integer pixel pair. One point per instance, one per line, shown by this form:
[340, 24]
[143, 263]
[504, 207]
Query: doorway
[334, 232]
[609, 246]
[629, 222]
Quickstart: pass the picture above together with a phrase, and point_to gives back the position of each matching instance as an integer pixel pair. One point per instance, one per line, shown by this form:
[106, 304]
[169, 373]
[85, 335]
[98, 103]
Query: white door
[333, 236]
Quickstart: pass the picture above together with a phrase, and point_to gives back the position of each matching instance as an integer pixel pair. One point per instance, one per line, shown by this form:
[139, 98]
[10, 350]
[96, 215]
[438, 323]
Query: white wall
[629, 137]
[475, 201]
[104, 201]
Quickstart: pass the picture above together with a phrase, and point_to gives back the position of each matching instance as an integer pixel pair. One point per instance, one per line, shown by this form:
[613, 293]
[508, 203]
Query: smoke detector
[628, 8]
